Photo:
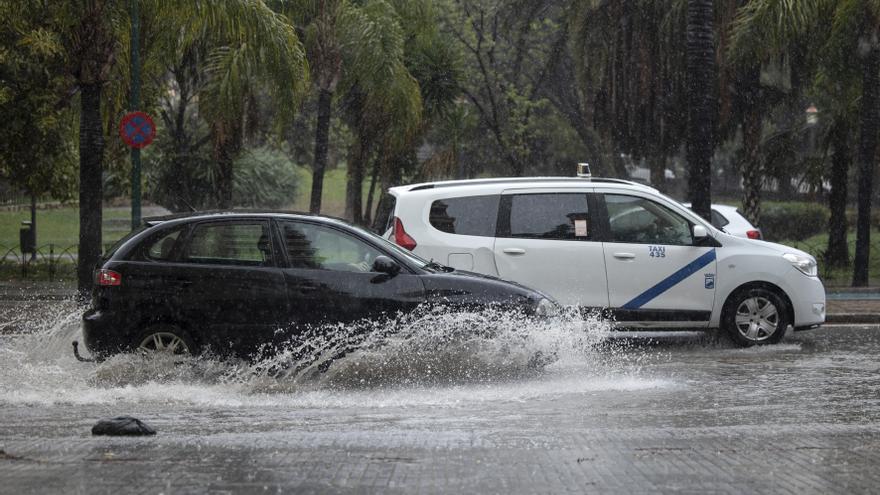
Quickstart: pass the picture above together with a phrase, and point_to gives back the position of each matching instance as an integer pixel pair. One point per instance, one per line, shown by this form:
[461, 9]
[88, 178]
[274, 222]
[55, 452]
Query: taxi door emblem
[710, 281]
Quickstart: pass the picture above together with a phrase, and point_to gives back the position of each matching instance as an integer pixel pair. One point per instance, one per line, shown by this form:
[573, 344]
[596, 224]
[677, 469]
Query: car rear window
[469, 215]
[562, 216]
[161, 247]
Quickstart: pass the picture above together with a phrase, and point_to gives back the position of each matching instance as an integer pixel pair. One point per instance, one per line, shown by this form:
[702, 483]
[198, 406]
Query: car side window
[161, 247]
[560, 216]
[718, 220]
[323, 248]
[230, 243]
[633, 219]
[469, 215]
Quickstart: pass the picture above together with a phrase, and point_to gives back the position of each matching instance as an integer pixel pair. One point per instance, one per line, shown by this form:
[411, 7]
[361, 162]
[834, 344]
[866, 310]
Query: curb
[859, 318]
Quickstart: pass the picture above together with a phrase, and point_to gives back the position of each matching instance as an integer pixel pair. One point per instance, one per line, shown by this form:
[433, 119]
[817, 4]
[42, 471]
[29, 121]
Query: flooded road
[550, 408]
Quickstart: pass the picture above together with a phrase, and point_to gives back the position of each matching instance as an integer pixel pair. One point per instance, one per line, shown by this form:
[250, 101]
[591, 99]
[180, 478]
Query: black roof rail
[235, 211]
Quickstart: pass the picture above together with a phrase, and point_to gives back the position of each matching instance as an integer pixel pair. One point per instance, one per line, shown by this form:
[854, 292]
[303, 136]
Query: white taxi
[615, 246]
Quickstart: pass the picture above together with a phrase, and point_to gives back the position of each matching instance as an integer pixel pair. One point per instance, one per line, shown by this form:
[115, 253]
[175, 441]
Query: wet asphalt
[636, 413]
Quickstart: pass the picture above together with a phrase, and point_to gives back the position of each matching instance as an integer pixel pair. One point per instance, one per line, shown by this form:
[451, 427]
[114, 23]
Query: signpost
[134, 105]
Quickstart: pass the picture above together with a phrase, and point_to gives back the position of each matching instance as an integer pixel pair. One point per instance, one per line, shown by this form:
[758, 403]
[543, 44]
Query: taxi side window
[559, 216]
[636, 220]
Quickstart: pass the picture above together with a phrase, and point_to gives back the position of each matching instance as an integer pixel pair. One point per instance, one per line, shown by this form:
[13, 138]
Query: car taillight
[753, 234]
[108, 278]
[401, 237]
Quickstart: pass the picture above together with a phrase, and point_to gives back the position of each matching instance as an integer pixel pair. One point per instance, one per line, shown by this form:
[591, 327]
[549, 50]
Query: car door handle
[624, 256]
[514, 251]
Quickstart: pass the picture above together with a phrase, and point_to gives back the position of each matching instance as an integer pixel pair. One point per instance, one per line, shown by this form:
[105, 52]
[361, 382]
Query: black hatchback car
[233, 282]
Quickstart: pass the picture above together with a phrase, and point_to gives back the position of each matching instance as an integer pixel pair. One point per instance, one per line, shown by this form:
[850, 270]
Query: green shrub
[263, 178]
[792, 221]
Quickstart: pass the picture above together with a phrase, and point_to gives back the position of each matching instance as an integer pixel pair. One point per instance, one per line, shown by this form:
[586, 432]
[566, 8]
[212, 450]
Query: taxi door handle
[624, 256]
[514, 251]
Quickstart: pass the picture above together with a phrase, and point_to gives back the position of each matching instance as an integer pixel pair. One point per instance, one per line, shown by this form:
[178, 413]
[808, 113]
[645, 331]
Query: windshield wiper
[433, 265]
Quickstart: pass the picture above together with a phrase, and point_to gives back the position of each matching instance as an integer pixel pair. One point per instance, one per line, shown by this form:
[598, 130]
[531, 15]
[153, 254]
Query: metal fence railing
[50, 257]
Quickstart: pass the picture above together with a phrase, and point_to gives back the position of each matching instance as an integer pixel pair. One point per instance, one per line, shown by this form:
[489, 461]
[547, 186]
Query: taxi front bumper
[808, 302]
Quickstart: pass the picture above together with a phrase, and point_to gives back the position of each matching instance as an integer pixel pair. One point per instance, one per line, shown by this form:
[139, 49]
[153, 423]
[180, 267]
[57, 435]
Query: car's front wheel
[755, 316]
[165, 338]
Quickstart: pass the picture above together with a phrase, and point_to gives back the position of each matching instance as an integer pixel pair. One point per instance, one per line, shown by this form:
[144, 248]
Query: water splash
[433, 356]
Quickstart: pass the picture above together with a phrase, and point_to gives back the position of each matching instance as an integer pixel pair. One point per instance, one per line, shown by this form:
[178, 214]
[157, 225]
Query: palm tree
[92, 34]
[632, 74]
[701, 106]
[383, 103]
[852, 35]
[340, 39]
[390, 114]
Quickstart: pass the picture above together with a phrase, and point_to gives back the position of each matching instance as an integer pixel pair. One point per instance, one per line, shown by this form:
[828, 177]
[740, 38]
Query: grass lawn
[333, 199]
[60, 226]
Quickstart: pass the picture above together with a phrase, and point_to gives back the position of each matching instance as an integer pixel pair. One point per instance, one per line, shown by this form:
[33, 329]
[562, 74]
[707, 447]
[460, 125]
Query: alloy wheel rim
[163, 342]
[757, 319]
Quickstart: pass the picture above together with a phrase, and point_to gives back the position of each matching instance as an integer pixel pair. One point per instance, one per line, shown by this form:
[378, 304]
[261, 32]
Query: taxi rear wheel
[755, 316]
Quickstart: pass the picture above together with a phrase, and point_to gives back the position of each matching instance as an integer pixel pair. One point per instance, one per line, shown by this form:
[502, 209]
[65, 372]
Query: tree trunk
[91, 156]
[322, 137]
[224, 163]
[368, 212]
[354, 186]
[751, 164]
[837, 253]
[701, 107]
[227, 146]
[867, 149]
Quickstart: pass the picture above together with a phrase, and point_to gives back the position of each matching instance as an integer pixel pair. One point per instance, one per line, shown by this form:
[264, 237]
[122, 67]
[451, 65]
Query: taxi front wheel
[755, 316]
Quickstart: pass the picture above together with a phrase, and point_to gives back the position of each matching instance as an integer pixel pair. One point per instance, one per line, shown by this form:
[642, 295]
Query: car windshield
[409, 255]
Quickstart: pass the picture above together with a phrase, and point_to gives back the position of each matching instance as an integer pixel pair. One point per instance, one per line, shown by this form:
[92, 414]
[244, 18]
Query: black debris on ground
[122, 426]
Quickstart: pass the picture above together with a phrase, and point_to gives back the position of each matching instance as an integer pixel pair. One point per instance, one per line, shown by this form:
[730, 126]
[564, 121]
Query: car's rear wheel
[756, 316]
[165, 338]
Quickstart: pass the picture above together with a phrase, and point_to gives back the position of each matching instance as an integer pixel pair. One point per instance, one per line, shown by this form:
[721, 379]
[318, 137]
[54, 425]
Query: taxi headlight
[546, 307]
[806, 264]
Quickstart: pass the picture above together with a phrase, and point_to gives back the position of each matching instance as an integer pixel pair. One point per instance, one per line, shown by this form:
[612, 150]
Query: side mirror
[700, 232]
[384, 264]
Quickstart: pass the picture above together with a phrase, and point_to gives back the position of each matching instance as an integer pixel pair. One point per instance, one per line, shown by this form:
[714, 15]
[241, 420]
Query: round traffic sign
[137, 129]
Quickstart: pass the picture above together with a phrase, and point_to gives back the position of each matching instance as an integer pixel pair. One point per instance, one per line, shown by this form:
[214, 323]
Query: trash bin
[27, 238]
